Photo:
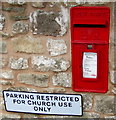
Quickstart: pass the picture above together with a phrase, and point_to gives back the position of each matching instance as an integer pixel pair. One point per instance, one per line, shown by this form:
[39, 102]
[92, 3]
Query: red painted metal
[90, 26]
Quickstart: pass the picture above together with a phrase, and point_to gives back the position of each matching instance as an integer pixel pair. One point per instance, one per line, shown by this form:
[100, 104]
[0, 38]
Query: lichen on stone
[87, 101]
[49, 23]
[21, 89]
[18, 18]
[16, 2]
[20, 27]
[14, 9]
[56, 47]
[6, 74]
[54, 90]
[113, 77]
[3, 82]
[3, 47]
[62, 20]
[3, 61]
[18, 63]
[105, 104]
[38, 4]
[2, 22]
[41, 63]
[62, 79]
[5, 35]
[40, 80]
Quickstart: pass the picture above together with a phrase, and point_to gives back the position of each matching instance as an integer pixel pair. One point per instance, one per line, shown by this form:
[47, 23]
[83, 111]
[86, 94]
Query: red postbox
[90, 46]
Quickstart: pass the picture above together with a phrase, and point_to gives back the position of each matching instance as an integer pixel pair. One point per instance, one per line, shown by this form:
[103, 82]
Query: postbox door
[91, 81]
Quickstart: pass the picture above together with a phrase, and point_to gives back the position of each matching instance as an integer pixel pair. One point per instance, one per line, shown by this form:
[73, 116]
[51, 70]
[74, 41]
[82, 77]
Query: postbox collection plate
[90, 46]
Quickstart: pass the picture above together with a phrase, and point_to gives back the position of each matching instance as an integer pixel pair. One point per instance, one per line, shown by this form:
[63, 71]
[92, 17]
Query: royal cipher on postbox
[90, 46]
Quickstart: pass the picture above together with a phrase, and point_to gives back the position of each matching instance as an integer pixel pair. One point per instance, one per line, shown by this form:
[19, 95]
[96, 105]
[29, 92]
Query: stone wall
[35, 48]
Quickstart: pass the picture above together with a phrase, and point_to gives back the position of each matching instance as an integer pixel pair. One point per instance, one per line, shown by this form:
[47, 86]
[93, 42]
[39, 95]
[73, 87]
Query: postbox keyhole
[89, 47]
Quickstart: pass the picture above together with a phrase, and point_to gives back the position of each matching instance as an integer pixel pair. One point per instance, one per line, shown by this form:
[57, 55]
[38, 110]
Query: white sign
[89, 65]
[43, 103]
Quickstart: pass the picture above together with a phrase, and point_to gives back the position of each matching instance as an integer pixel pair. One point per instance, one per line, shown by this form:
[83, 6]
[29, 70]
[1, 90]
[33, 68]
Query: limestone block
[49, 23]
[62, 79]
[14, 9]
[3, 47]
[27, 44]
[18, 63]
[54, 90]
[105, 104]
[20, 27]
[9, 116]
[22, 89]
[38, 4]
[91, 115]
[2, 21]
[87, 101]
[16, 2]
[3, 61]
[41, 63]
[6, 74]
[114, 90]
[113, 77]
[56, 47]
[40, 80]
[4, 82]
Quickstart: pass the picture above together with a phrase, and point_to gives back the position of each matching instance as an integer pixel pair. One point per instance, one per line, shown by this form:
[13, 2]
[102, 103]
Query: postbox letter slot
[89, 25]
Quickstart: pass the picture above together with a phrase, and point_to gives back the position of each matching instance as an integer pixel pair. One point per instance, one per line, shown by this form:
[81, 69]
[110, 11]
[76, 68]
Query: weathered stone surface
[6, 74]
[22, 89]
[113, 77]
[113, 65]
[110, 117]
[7, 116]
[70, 4]
[1, 91]
[30, 116]
[3, 61]
[56, 47]
[2, 21]
[49, 23]
[38, 4]
[16, 2]
[105, 104]
[53, 4]
[44, 23]
[113, 24]
[41, 63]
[18, 18]
[86, 116]
[40, 80]
[18, 63]
[2, 107]
[54, 90]
[0, 5]
[13, 9]
[63, 20]
[114, 50]
[91, 115]
[114, 90]
[3, 47]
[4, 82]
[27, 44]
[87, 101]
[62, 79]
[5, 35]
[20, 27]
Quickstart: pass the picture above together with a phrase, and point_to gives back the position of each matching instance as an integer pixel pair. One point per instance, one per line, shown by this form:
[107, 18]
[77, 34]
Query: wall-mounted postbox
[90, 44]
